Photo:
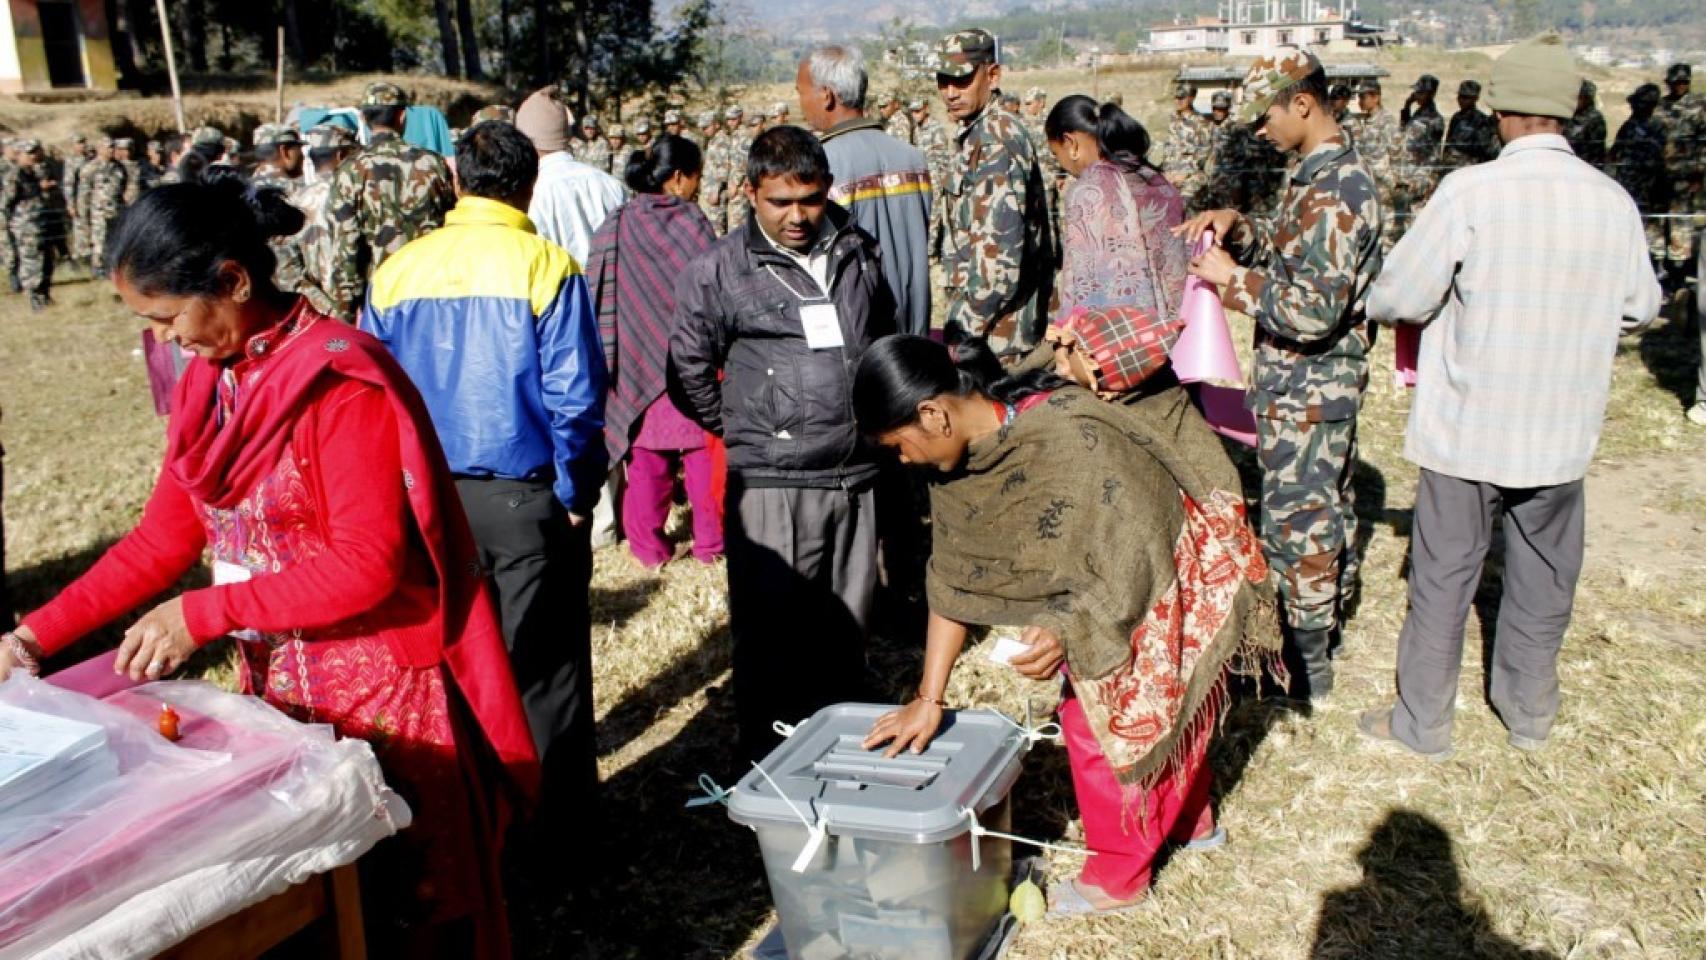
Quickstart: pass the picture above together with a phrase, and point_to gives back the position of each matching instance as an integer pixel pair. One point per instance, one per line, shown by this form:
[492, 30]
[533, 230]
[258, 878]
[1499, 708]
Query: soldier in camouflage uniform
[1638, 163]
[1586, 129]
[996, 246]
[1184, 154]
[738, 146]
[673, 126]
[8, 252]
[937, 144]
[278, 147]
[780, 115]
[896, 122]
[76, 158]
[1472, 136]
[1303, 280]
[1682, 117]
[1033, 117]
[101, 190]
[382, 198]
[643, 133]
[1379, 144]
[1339, 97]
[1244, 170]
[24, 198]
[329, 145]
[500, 112]
[714, 181]
[620, 149]
[1417, 168]
[594, 150]
[124, 153]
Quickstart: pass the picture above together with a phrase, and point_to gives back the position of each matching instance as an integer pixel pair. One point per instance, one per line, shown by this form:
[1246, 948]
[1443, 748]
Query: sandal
[1066, 900]
[1213, 840]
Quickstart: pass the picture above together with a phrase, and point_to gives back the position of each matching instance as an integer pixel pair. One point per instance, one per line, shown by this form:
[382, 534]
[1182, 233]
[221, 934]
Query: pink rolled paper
[1407, 348]
[1204, 350]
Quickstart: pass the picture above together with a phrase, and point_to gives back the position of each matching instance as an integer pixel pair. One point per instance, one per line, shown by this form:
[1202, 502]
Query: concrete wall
[23, 59]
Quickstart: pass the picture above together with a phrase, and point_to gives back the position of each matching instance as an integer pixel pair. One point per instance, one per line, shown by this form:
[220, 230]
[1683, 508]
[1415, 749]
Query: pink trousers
[645, 504]
[1127, 836]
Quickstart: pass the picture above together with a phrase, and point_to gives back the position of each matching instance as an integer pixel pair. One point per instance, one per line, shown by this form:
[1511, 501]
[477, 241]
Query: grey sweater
[885, 186]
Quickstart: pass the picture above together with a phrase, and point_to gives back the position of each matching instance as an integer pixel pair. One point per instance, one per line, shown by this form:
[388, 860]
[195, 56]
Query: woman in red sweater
[302, 458]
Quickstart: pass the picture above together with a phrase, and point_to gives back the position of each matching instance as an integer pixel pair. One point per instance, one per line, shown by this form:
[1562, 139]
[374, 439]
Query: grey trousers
[802, 569]
[1452, 532]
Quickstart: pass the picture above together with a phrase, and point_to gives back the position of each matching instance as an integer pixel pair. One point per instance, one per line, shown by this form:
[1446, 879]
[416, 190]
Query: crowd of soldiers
[1658, 154]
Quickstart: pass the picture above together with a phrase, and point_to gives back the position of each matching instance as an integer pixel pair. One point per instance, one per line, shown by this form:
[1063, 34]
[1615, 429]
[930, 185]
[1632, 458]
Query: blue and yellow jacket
[494, 325]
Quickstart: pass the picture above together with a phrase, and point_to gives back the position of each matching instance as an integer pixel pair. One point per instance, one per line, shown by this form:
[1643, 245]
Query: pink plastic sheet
[1408, 348]
[1204, 358]
[241, 772]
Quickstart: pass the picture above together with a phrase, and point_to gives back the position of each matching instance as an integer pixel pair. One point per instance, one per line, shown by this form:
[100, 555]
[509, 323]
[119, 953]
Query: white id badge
[823, 326]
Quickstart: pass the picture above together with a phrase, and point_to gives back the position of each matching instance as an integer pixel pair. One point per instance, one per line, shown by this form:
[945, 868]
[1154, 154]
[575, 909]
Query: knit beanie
[545, 122]
[1537, 77]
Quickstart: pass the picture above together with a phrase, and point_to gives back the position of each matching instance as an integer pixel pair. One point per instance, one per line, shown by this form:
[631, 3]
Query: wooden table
[330, 902]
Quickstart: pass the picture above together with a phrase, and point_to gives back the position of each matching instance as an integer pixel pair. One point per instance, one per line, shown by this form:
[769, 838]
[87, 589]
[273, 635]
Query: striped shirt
[1525, 270]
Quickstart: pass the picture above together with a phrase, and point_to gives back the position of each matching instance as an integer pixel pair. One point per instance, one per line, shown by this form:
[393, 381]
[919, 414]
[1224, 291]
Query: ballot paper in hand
[46, 763]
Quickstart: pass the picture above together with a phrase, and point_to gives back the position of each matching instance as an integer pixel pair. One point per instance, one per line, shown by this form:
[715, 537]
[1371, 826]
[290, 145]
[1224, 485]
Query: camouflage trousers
[35, 259]
[99, 224]
[8, 252]
[737, 207]
[1671, 239]
[714, 212]
[1308, 515]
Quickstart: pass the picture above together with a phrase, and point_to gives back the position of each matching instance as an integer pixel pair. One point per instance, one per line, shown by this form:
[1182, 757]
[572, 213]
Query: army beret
[1679, 73]
[959, 54]
[383, 94]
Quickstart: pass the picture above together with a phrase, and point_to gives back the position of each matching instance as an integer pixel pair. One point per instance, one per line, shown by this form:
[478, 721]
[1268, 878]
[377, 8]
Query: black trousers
[541, 569]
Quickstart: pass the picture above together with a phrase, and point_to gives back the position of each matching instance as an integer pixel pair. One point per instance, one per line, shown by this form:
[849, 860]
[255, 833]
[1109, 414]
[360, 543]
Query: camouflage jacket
[68, 183]
[1377, 142]
[1472, 137]
[938, 148]
[314, 243]
[899, 127]
[1638, 163]
[132, 181]
[1245, 172]
[381, 199]
[716, 176]
[1683, 121]
[739, 145]
[996, 246]
[1304, 279]
[267, 175]
[1422, 136]
[23, 200]
[619, 161]
[1184, 154]
[594, 153]
[8, 170]
[1052, 171]
[1586, 133]
[101, 189]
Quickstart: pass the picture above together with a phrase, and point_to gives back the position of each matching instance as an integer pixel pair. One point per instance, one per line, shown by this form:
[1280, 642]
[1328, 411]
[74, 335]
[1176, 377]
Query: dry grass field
[1594, 848]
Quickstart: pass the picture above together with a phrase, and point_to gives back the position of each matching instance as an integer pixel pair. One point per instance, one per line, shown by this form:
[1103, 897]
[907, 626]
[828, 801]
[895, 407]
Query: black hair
[496, 161]
[1121, 138]
[787, 151]
[266, 151]
[197, 159]
[321, 157]
[900, 372]
[1315, 85]
[649, 169]
[174, 238]
[388, 116]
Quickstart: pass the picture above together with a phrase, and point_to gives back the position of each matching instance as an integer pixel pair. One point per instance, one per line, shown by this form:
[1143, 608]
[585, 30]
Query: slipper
[1065, 900]
[1212, 840]
[1376, 725]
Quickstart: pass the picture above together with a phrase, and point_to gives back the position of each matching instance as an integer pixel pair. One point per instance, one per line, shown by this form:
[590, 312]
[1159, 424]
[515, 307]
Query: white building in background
[1252, 28]
[1597, 56]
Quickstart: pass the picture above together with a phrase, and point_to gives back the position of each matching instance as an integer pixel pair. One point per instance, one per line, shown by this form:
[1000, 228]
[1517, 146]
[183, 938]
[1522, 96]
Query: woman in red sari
[302, 458]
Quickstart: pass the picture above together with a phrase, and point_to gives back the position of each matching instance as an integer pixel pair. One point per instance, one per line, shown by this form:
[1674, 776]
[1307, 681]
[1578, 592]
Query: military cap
[500, 112]
[1426, 83]
[231, 145]
[643, 125]
[331, 136]
[1469, 88]
[1338, 91]
[1269, 78]
[27, 145]
[734, 112]
[615, 130]
[99, 142]
[1222, 100]
[1646, 95]
[778, 109]
[958, 54]
[1034, 94]
[79, 139]
[671, 116]
[887, 99]
[1588, 89]
[914, 105]
[1183, 90]
[208, 136]
[383, 94]
[707, 117]
[1679, 73]
[1369, 85]
[590, 120]
[123, 143]
[755, 120]
[276, 135]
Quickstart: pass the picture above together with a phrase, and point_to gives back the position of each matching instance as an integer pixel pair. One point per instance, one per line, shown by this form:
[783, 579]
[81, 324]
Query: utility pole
[278, 112]
[171, 63]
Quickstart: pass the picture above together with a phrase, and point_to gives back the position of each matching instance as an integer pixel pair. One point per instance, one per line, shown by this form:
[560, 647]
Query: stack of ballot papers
[47, 764]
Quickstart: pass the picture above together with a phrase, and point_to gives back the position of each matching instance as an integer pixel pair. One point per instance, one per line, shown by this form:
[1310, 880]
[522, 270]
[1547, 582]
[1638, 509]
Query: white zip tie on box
[714, 793]
[783, 730]
[816, 830]
[1034, 734]
[979, 831]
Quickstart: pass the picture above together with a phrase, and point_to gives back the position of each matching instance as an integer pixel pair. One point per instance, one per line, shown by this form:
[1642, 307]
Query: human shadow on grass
[1410, 903]
[1671, 352]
